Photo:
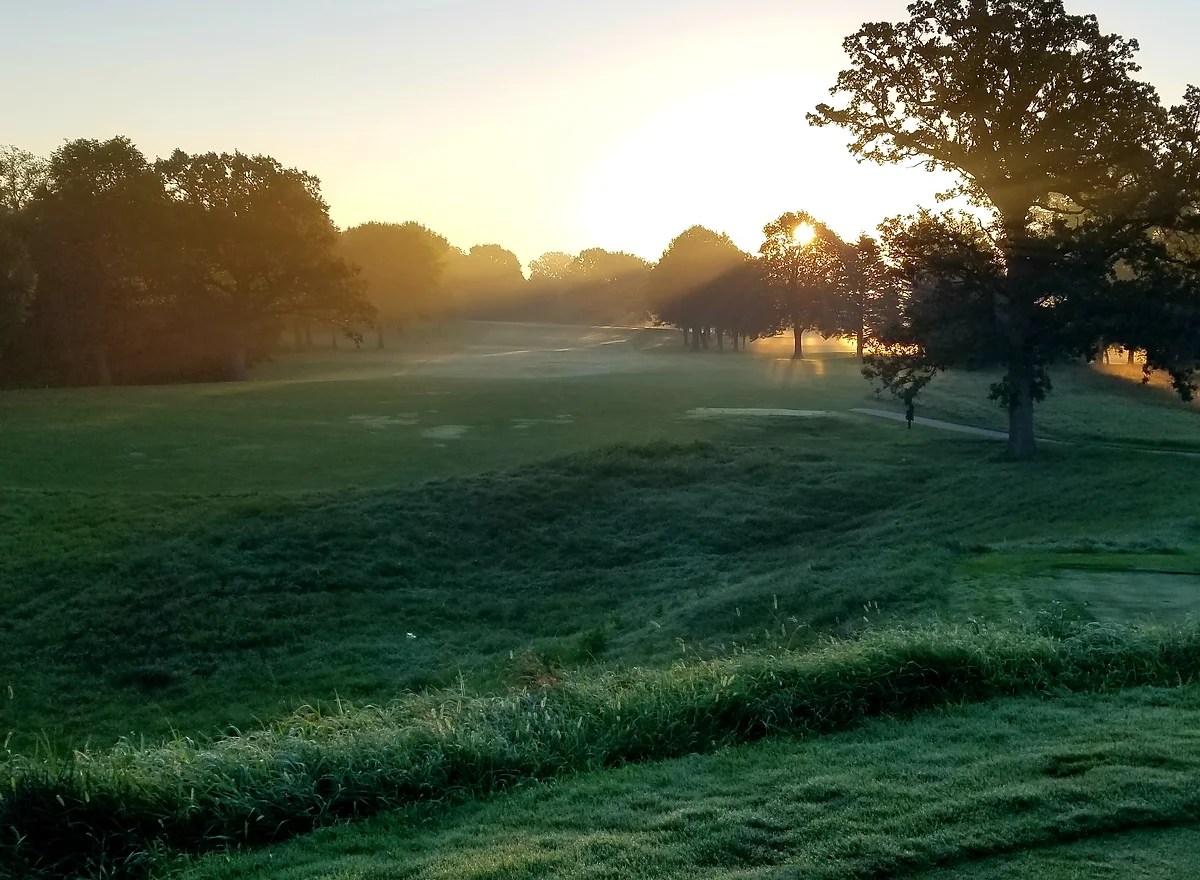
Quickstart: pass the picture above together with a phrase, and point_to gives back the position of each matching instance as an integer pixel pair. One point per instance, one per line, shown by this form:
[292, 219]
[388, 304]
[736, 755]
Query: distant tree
[549, 286]
[1038, 112]
[17, 283]
[22, 174]
[746, 309]
[803, 267]
[695, 283]
[95, 235]
[258, 248]
[401, 266]
[552, 269]
[486, 281]
[867, 296]
[606, 287]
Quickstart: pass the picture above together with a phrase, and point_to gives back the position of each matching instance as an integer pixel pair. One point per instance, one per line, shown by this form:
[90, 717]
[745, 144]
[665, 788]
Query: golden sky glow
[537, 125]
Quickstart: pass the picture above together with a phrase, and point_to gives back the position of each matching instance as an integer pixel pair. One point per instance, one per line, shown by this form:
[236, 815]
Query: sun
[804, 234]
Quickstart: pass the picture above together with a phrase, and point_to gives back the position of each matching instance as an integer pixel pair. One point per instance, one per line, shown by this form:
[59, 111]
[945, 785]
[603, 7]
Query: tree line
[1083, 233]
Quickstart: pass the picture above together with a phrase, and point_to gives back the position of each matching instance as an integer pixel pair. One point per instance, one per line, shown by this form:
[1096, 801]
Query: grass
[1081, 786]
[191, 561]
[629, 555]
[104, 812]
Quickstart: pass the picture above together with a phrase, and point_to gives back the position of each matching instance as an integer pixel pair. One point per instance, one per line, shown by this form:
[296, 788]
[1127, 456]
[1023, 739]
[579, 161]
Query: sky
[536, 124]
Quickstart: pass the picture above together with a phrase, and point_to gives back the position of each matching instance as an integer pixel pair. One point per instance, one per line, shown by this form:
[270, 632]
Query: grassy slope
[261, 603]
[196, 557]
[970, 790]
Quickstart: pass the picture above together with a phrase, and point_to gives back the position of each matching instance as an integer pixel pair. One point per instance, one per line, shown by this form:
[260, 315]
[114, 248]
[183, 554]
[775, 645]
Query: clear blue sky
[537, 124]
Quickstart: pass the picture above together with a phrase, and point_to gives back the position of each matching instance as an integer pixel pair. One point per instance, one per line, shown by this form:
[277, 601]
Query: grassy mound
[1080, 787]
[143, 614]
[106, 813]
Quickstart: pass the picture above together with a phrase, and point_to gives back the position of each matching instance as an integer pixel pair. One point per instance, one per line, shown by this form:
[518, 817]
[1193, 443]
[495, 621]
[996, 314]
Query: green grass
[632, 555]
[102, 812]
[198, 558]
[1005, 789]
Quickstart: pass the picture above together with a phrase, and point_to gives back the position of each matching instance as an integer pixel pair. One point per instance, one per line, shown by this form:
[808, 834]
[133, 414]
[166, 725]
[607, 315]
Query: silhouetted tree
[94, 234]
[17, 284]
[1039, 113]
[401, 266]
[22, 174]
[867, 296]
[486, 282]
[258, 247]
[950, 277]
[695, 283]
[803, 266]
[606, 287]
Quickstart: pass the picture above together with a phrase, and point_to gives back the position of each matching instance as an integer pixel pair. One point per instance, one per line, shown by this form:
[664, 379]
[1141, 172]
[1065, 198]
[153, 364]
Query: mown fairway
[492, 506]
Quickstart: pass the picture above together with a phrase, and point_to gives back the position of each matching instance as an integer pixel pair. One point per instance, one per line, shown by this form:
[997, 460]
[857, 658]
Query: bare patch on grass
[727, 412]
[379, 422]
[445, 432]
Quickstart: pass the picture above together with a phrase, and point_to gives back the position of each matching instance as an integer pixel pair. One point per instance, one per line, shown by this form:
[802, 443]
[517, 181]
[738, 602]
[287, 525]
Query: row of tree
[1085, 233]
[116, 268]
[412, 274]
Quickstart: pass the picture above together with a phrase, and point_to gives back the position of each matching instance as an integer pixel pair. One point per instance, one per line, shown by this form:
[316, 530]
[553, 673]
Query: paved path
[935, 423]
[939, 425]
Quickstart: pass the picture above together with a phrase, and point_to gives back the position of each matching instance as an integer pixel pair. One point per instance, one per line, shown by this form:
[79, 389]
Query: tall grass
[105, 814]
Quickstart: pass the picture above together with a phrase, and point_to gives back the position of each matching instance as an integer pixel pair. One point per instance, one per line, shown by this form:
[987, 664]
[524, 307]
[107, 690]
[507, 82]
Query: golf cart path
[970, 430]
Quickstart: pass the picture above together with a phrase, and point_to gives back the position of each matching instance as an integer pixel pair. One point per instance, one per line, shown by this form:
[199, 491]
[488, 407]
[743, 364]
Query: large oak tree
[1041, 116]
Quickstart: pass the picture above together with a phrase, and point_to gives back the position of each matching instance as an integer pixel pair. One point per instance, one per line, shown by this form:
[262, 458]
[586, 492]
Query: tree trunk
[333, 337]
[798, 332]
[1021, 441]
[685, 337]
[103, 372]
[1017, 315]
[1129, 357]
[720, 339]
[858, 344]
[704, 337]
[736, 340]
[379, 343]
[695, 339]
